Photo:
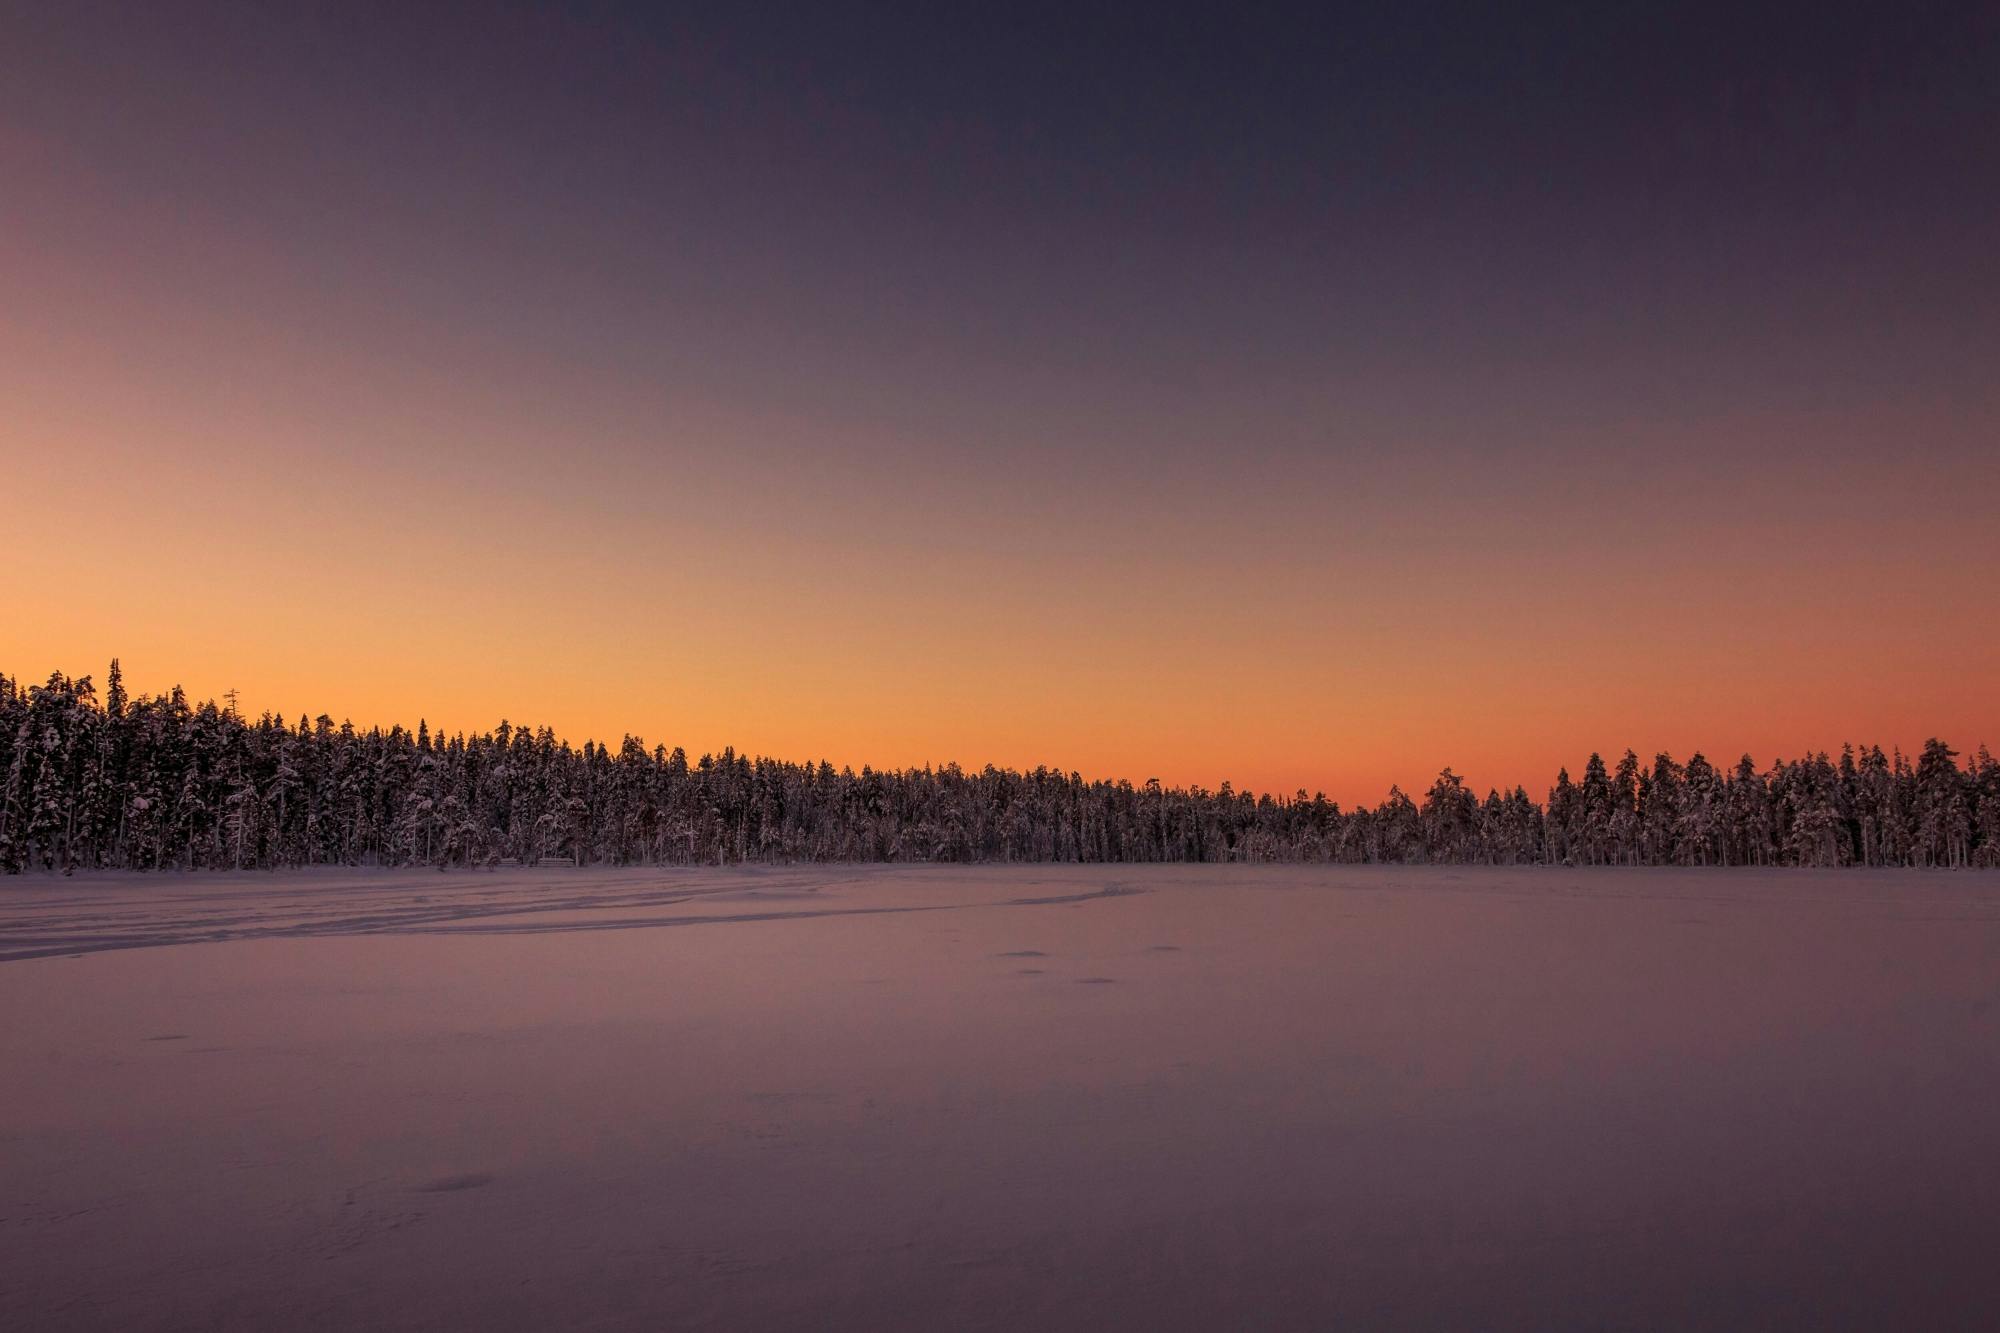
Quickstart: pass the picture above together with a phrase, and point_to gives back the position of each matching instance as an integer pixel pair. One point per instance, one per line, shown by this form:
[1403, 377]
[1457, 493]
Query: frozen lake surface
[1006, 1097]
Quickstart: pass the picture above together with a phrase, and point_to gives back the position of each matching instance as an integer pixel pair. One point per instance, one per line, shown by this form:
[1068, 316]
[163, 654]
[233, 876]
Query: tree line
[155, 783]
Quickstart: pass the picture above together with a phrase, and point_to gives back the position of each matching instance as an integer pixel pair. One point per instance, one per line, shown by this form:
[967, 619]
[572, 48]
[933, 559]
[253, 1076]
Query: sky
[1305, 397]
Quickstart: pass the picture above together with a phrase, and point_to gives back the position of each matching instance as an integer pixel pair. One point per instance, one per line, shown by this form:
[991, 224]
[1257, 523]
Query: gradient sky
[1304, 398]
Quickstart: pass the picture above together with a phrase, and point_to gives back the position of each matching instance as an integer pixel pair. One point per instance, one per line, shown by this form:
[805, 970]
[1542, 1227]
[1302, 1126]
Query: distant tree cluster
[159, 783]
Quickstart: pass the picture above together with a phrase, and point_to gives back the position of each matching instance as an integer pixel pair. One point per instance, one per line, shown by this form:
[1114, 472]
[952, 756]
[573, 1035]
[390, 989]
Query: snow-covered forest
[160, 783]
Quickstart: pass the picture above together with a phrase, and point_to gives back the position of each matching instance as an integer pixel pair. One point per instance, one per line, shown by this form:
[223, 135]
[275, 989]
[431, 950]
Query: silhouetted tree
[155, 783]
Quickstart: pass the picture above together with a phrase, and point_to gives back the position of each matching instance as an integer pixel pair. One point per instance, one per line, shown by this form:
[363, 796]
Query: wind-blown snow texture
[1024, 1097]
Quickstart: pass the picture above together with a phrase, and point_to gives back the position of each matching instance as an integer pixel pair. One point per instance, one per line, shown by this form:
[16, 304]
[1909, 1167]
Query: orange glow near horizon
[748, 428]
[733, 611]
[439, 549]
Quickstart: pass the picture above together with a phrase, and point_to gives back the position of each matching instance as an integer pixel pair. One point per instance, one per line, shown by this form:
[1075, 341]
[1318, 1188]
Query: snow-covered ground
[1004, 1097]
